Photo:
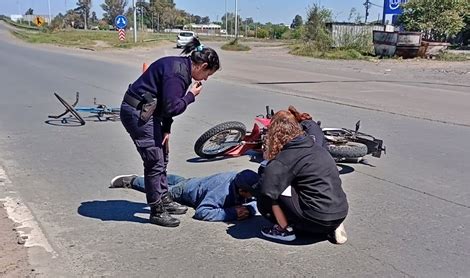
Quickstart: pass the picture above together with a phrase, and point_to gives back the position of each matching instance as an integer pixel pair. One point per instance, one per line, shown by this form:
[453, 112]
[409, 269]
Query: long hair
[283, 128]
[202, 54]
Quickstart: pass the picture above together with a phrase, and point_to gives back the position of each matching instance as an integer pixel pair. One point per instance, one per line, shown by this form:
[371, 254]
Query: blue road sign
[393, 6]
[120, 22]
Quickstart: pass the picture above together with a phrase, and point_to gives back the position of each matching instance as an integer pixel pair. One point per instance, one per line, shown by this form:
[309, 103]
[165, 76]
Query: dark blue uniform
[167, 80]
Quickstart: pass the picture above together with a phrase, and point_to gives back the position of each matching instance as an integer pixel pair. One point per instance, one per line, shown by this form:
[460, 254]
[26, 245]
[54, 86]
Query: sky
[275, 11]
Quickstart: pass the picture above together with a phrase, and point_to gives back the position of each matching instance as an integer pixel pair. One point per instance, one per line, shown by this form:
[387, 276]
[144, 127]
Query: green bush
[235, 46]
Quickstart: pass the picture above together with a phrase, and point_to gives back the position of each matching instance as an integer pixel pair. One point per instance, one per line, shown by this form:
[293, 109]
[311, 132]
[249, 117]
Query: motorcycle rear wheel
[348, 150]
[220, 139]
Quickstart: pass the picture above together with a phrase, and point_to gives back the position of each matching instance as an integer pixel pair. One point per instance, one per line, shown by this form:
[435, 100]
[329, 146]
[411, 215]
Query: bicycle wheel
[70, 109]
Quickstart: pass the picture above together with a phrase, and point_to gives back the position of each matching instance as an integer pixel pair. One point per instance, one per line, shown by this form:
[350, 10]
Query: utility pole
[141, 16]
[49, 6]
[367, 4]
[135, 21]
[226, 24]
[236, 19]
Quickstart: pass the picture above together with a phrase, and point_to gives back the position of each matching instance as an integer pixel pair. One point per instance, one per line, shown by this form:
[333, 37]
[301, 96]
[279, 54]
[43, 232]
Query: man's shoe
[173, 207]
[338, 236]
[276, 232]
[159, 216]
[123, 181]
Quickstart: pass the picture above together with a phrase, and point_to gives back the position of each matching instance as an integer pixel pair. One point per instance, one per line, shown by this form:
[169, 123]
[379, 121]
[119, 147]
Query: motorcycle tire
[348, 150]
[218, 135]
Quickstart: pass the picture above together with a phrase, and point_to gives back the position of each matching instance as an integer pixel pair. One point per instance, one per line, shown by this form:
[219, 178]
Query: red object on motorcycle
[250, 142]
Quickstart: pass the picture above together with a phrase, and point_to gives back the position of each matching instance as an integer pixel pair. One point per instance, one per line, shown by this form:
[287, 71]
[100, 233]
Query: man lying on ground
[221, 197]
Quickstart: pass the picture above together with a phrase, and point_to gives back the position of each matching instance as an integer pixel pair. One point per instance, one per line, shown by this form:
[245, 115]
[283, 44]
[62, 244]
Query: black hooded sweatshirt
[312, 173]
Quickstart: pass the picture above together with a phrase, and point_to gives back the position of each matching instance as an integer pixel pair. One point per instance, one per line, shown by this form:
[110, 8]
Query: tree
[230, 22]
[249, 21]
[195, 19]
[29, 12]
[71, 19]
[354, 16]
[316, 31]
[94, 18]
[297, 22]
[84, 8]
[165, 12]
[58, 22]
[205, 20]
[113, 8]
[437, 19]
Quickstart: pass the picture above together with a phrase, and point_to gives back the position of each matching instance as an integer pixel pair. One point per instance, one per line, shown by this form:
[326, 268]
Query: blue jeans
[176, 185]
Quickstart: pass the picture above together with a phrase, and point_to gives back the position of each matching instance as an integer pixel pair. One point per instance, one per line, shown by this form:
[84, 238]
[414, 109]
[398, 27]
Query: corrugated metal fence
[345, 34]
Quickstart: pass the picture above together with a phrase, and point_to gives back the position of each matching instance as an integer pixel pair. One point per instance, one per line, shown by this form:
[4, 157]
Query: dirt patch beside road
[13, 257]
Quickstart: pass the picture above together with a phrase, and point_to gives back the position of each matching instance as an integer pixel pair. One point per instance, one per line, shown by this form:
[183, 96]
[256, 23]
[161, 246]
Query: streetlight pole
[226, 24]
[236, 19]
[49, 6]
[135, 21]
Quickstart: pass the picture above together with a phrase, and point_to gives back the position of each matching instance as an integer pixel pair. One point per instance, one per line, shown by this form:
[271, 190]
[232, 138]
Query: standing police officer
[147, 112]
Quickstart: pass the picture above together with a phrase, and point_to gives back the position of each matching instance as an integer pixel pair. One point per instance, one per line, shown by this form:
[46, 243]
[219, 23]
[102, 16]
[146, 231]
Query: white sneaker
[122, 181]
[339, 235]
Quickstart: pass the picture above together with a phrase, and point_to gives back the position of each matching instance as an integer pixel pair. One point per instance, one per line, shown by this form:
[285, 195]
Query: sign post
[122, 34]
[121, 22]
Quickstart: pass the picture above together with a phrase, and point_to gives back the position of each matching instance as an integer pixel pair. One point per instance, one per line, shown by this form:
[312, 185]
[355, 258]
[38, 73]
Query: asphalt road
[409, 211]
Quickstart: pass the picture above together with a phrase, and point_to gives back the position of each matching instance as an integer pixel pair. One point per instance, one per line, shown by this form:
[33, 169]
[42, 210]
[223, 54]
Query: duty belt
[132, 101]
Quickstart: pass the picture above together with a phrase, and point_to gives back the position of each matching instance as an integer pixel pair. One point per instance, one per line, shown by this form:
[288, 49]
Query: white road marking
[19, 213]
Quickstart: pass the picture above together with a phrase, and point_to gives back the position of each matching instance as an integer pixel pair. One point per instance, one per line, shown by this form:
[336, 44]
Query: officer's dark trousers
[147, 138]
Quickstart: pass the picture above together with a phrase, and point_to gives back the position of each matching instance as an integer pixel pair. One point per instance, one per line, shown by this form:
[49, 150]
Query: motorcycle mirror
[357, 125]
[267, 112]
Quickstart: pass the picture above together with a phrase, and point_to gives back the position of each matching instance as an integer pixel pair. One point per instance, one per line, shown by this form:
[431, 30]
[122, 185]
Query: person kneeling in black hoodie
[300, 188]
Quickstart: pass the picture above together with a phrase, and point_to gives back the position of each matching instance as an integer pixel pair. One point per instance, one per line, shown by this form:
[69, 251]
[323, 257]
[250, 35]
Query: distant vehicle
[184, 37]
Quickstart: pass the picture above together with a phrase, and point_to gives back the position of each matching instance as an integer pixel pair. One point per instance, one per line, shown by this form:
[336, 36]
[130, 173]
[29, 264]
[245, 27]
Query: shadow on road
[59, 122]
[254, 156]
[344, 169]
[251, 228]
[114, 210]
[204, 160]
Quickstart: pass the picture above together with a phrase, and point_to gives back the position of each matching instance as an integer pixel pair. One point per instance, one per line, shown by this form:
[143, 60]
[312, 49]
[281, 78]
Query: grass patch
[309, 50]
[235, 46]
[90, 39]
[448, 56]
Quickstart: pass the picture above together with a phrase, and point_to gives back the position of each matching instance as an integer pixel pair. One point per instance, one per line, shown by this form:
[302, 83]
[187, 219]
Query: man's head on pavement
[246, 183]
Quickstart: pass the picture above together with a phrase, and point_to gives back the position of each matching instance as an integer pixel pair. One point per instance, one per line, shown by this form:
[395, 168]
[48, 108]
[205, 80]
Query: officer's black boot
[159, 216]
[173, 207]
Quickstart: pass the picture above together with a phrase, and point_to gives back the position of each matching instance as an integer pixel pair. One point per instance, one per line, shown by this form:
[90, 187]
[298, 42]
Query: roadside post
[121, 22]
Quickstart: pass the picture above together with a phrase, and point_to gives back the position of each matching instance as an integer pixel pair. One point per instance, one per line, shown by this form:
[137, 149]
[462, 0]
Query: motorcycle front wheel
[220, 139]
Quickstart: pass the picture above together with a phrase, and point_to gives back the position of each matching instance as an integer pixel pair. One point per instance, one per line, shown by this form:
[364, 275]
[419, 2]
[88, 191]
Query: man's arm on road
[208, 212]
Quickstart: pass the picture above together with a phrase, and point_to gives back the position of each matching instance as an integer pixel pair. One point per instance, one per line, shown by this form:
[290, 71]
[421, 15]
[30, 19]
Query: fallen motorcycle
[232, 139]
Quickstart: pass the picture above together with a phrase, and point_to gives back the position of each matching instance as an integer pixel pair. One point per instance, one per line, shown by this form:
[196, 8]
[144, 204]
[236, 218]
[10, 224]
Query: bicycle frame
[100, 111]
